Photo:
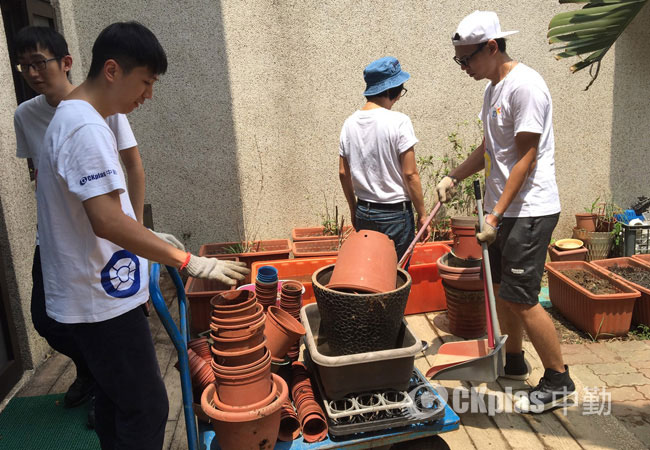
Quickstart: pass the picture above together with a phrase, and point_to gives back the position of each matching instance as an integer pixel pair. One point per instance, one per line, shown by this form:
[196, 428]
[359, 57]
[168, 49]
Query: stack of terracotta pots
[244, 391]
[289, 424]
[200, 373]
[461, 278]
[291, 302]
[310, 415]
[201, 347]
[282, 331]
[266, 286]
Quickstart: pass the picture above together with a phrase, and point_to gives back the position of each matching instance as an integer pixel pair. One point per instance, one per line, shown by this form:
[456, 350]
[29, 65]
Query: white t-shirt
[86, 278]
[32, 118]
[521, 102]
[372, 141]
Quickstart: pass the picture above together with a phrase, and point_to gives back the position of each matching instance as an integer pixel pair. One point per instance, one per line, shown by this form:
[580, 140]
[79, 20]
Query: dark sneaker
[555, 389]
[79, 392]
[516, 367]
[91, 413]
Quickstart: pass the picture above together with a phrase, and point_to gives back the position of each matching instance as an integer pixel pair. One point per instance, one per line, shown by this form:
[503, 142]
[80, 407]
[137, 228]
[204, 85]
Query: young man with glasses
[521, 198]
[377, 165]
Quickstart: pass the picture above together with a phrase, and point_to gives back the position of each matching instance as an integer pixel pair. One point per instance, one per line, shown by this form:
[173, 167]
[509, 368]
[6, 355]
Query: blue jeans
[397, 225]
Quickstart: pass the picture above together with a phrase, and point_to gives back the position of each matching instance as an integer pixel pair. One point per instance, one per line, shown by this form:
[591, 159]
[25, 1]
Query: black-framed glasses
[464, 61]
[403, 93]
[39, 66]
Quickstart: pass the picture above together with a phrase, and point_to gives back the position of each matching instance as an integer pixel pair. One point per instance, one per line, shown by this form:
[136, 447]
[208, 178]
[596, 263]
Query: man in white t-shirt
[521, 197]
[93, 249]
[377, 165]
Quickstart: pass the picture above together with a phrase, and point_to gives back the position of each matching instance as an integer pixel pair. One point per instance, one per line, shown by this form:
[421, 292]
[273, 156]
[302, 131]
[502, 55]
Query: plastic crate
[427, 293]
[299, 269]
[599, 315]
[636, 239]
[642, 305]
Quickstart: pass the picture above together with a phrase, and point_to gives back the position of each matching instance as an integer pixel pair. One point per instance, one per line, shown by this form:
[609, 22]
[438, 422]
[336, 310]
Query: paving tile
[645, 390]
[603, 352]
[572, 349]
[622, 347]
[636, 355]
[624, 394]
[586, 357]
[625, 379]
[612, 368]
[586, 376]
[640, 364]
[633, 408]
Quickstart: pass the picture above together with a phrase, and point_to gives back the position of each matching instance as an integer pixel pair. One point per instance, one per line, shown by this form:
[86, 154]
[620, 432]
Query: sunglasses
[464, 61]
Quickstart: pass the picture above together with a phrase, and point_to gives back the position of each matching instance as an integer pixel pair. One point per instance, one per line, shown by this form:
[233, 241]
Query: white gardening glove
[170, 239]
[228, 272]
[488, 235]
[446, 189]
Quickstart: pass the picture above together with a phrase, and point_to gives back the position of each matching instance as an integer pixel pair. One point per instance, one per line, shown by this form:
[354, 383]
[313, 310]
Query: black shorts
[518, 255]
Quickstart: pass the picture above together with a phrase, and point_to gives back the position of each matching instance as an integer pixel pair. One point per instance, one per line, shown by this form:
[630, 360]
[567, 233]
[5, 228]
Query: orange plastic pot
[282, 331]
[226, 407]
[465, 244]
[238, 343]
[256, 311]
[586, 221]
[246, 388]
[250, 430]
[232, 300]
[367, 262]
[240, 357]
[233, 331]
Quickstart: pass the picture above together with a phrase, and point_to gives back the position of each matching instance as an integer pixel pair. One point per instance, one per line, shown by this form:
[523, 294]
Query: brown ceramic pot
[236, 344]
[463, 274]
[282, 331]
[233, 331]
[254, 313]
[232, 300]
[240, 357]
[265, 401]
[244, 389]
[251, 430]
[465, 244]
[586, 221]
[367, 262]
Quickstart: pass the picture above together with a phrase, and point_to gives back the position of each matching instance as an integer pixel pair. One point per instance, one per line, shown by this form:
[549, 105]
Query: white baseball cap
[480, 26]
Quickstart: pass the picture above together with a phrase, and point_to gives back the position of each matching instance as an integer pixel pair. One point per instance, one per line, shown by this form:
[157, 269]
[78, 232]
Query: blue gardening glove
[488, 235]
[228, 272]
[170, 239]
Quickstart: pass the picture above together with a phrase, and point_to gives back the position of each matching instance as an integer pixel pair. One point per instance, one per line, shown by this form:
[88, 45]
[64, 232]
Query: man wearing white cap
[521, 196]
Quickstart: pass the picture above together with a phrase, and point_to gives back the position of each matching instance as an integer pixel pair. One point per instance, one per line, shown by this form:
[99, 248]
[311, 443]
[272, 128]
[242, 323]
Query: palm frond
[592, 29]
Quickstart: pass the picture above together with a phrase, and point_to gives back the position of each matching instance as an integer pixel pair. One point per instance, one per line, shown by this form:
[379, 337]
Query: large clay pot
[246, 388]
[251, 430]
[586, 221]
[367, 262]
[232, 300]
[282, 331]
[463, 274]
[465, 312]
[465, 244]
[265, 401]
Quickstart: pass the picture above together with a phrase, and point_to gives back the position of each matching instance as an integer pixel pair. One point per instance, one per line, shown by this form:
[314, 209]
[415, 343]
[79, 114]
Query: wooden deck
[553, 430]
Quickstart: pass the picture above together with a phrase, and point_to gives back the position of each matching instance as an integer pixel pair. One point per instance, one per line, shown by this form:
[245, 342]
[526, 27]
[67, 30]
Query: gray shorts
[518, 255]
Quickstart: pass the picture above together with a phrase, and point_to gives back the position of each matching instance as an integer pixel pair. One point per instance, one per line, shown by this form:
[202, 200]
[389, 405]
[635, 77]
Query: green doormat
[35, 423]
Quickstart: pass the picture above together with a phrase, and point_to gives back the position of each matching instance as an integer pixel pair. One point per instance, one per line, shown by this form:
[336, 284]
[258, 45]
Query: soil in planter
[636, 275]
[592, 283]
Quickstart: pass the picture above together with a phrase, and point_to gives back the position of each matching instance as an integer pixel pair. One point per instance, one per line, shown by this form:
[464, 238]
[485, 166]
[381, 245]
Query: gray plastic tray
[360, 372]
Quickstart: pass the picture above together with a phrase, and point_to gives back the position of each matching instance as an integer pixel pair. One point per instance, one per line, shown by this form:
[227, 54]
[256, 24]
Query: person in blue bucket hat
[377, 167]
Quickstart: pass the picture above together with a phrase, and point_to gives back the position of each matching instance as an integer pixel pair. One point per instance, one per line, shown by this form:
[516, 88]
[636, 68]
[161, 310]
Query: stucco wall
[17, 221]
[242, 133]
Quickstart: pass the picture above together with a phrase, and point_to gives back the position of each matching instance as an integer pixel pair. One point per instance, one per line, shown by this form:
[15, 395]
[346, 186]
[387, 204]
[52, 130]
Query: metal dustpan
[479, 360]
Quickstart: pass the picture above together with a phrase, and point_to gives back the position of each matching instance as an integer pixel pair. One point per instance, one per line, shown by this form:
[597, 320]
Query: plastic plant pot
[252, 317]
[267, 274]
[241, 357]
[465, 244]
[238, 343]
[239, 370]
[579, 254]
[255, 429]
[232, 300]
[265, 401]
[282, 331]
[244, 389]
[231, 331]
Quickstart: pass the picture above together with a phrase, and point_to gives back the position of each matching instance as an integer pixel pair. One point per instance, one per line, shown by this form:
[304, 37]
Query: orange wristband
[187, 260]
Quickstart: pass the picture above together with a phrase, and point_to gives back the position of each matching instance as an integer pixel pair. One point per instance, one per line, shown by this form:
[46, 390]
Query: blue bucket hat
[383, 74]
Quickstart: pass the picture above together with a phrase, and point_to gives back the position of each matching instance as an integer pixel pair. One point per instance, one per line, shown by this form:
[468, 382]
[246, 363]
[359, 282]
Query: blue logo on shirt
[97, 176]
[121, 275]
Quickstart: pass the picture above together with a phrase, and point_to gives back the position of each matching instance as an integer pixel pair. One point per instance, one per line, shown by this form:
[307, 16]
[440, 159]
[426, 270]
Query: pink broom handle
[407, 254]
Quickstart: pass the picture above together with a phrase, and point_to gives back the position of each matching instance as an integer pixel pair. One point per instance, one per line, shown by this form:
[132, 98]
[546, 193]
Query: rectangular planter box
[579, 254]
[427, 293]
[298, 269]
[199, 292]
[315, 249]
[313, 233]
[586, 310]
[266, 251]
[361, 372]
[644, 259]
[641, 312]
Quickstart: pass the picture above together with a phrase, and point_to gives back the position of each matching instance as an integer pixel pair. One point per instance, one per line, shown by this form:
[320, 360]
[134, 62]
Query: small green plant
[592, 208]
[598, 333]
[330, 224]
[641, 332]
[433, 169]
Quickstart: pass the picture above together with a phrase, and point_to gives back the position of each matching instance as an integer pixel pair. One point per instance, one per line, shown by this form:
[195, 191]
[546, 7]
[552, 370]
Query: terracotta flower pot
[232, 300]
[251, 430]
[367, 262]
[463, 274]
[236, 344]
[256, 311]
[239, 370]
[465, 244]
[229, 408]
[586, 221]
[282, 331]
[239, 358]
[233, 331]
[244, 389]
[289, 424]
[201, 347]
